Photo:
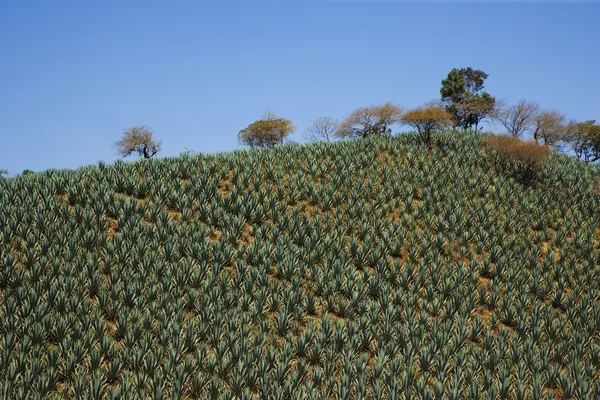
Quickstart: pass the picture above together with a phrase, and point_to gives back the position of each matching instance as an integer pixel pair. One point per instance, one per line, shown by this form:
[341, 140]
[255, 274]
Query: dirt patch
[509, 328]
[138, 200]
[333, 316]
[112, 228]
[246, 236]
[175, 216]
[310, 211]
[485, 282]
[484, 313]
[111, 328]
[225, 183]
[545, 246]
[385, 158]
[214, 236]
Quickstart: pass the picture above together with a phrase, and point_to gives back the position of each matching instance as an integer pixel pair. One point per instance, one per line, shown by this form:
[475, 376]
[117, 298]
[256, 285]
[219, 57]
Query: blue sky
[73, 75]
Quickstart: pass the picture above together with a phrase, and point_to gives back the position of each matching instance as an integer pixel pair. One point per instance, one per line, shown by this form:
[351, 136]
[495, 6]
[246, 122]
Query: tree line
[463, 104]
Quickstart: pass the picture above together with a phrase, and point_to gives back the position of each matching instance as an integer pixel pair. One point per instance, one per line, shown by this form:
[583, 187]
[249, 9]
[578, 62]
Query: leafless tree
[518, 118]
[322, 128]
[138, 139]
[367, 121]
[552, 127]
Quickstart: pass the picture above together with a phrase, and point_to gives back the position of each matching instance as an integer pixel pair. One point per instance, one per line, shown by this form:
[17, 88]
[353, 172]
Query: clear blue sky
[74, 74]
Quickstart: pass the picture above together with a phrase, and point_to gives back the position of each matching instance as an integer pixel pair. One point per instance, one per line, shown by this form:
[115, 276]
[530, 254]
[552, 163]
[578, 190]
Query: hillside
[361, 269]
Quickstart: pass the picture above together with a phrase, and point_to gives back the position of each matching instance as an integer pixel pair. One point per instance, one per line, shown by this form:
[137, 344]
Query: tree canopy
[372, 120]
[138, 139]
[428, 119]
[463, 95]
[586, 141]
[269, 131]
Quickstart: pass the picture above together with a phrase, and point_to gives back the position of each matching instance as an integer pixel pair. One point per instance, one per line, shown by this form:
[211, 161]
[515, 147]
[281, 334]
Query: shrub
[513, 155]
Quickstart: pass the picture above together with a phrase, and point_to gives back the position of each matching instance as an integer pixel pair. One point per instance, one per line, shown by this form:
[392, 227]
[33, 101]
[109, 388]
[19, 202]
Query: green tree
[462, 94]
[586, 141]
[138, 139]
[269, 131]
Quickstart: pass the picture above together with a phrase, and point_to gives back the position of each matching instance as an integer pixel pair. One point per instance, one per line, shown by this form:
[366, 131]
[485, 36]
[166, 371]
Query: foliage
[322, 128]
[355, 269]
[552, 128]
[370, 121]
[514, 154]
[269, 131]
[3, 172]
[428, 119]
[517, 118]
[140, 140]
[462, 93]
[586, 141]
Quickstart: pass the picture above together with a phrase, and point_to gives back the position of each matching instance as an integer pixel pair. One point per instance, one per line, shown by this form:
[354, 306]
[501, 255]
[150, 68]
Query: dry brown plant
[515, 155]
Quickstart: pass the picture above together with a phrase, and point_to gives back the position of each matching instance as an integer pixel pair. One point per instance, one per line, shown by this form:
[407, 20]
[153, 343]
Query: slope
[360, 269]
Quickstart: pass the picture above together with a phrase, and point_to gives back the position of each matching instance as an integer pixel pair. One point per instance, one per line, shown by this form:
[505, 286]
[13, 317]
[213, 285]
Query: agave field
[362, 269]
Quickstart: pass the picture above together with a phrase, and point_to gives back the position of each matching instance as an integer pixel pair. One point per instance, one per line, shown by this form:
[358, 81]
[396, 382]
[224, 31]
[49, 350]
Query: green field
[371, 268]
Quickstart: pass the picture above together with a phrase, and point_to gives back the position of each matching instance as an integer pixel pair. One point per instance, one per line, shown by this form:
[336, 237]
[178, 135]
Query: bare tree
[322, 128]
[518, 118]
[552, 127]
[138, 139]
[367, 121]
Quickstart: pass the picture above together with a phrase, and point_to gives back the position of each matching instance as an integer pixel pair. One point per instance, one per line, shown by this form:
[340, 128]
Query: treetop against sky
[74, 75]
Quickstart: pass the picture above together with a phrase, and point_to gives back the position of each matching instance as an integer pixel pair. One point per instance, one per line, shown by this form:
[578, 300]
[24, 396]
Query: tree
[269, 131]
[518, 118]
[586, 141]
[427, 119]
[138, 139]
[2, 173]
[551, 128]
[322, 128]
[367, 121]
[463, 95]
